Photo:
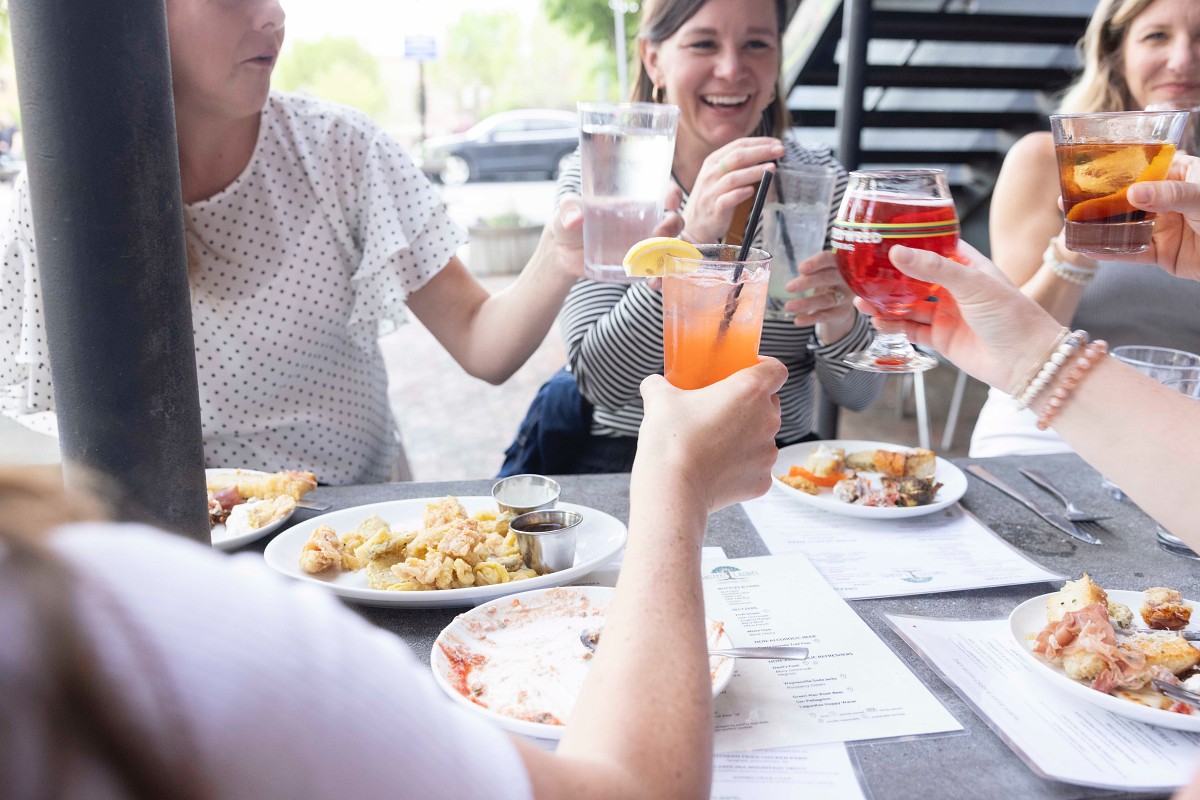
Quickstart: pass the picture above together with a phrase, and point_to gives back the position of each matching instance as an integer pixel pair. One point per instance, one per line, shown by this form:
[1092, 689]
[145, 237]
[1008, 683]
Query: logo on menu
[728, 573]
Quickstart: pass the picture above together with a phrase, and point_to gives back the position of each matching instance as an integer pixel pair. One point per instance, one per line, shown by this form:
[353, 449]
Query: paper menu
[853, 687]
[819, 771]
[945, 551]
[1057, 735]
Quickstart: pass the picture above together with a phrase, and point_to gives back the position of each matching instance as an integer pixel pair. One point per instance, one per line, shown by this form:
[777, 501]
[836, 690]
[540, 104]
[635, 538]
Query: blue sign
[420, 48]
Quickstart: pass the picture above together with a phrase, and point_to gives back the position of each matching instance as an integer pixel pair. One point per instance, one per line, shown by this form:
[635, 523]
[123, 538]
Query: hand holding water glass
[794, 226]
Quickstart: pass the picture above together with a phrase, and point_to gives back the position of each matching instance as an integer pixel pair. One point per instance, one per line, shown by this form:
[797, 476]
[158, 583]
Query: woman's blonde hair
[1101, 86]
[81, 709]
[662, 18]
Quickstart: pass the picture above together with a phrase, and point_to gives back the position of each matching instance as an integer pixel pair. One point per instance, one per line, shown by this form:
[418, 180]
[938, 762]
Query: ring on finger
[724, 169]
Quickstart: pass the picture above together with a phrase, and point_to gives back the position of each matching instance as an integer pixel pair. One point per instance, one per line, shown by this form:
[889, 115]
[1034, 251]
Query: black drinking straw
[744, 252]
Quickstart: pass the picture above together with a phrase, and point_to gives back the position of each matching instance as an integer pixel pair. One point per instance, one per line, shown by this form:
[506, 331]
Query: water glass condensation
[626, 151]
[794, 226]
[1099, 157]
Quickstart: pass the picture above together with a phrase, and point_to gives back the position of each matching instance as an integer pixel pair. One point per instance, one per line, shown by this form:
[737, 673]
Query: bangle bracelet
[1054, 403]
[1020, 388]
[1061, 355]
[1071, 273]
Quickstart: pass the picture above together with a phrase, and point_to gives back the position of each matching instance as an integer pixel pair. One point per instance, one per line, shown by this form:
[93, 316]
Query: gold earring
[658, 94]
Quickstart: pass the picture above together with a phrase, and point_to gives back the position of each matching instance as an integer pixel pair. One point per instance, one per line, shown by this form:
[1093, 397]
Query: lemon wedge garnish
[652, 258]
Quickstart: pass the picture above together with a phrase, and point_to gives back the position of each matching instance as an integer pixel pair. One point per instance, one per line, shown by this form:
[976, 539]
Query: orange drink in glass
[1099, 157]
[713, 315]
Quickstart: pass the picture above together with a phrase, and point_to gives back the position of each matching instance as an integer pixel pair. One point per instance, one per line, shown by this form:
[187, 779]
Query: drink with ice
[626, 151]
[709, 333]
[794, 226]
[1099, 157]
[791, 234]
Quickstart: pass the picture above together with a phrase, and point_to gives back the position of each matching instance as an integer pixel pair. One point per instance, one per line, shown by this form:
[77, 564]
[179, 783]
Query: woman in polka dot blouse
[309, 232]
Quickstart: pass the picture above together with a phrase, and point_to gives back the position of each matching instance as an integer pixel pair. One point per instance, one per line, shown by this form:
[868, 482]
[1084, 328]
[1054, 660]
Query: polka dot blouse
[297, 267]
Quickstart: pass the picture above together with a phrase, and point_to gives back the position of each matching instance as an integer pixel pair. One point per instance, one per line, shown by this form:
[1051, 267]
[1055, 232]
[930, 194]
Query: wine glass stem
[889, 346]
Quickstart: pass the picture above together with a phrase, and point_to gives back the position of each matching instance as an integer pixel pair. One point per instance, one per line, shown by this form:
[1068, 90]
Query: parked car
[508, 144]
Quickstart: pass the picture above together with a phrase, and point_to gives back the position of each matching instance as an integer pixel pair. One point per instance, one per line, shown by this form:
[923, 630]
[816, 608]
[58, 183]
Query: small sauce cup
[547, 539]
[520, 494]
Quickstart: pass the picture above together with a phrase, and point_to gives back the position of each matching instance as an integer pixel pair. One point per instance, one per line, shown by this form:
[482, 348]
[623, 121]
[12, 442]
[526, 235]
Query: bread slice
[1163, 650]
[1082, 665]
[826, 461]
[920, 463]
[1073, 596]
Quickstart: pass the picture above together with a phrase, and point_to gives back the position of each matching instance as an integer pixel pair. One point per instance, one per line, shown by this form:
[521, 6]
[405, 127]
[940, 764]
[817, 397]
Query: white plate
[531, 661]
[954, 482]
[600, 537]
[1030, 617]
[222, 540]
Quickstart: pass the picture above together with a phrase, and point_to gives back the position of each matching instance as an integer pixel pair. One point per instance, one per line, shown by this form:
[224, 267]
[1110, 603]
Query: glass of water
[625, 151]
[794, 226]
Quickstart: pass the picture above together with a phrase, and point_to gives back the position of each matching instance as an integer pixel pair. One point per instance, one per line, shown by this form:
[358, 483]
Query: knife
[1057, 520]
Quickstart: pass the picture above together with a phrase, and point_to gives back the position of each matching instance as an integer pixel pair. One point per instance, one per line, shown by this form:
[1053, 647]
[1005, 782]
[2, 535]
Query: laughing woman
[718, 60]
[309, 230]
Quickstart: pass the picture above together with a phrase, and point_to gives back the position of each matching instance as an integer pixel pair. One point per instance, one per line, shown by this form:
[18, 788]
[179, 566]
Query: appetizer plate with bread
[245, 504]
[870, 480]
[1106, 648]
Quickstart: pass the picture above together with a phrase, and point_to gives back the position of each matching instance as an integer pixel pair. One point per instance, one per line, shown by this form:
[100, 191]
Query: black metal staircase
[948, 83]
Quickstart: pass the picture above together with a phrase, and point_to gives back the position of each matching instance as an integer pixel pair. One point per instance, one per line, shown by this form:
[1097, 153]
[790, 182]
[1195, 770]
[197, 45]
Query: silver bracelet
[1061, 355]
[1071, 273]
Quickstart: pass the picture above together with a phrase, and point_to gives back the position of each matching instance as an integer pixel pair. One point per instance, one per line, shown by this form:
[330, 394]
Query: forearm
[646, 709]
[507, 327]
[1059, 297]
[1143, 436]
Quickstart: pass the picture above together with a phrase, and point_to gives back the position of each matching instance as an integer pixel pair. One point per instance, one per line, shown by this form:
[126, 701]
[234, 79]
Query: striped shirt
[614, 339]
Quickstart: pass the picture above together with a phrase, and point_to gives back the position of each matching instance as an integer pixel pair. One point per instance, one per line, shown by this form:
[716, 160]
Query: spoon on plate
[590, 638]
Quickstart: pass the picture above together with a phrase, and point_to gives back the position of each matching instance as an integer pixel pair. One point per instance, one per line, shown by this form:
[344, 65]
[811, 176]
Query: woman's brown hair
[662, 18]
[1101, 86]
[82, 711]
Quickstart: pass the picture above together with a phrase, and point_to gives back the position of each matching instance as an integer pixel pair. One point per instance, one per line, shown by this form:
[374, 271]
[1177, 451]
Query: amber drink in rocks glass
[1099, 157]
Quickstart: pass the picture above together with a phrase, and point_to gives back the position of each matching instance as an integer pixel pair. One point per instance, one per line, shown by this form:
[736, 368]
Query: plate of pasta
[433, 552]
[519, 660]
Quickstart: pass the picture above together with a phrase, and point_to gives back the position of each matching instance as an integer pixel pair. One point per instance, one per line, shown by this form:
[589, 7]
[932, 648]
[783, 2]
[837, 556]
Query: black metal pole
[852, 80]
[95, 89]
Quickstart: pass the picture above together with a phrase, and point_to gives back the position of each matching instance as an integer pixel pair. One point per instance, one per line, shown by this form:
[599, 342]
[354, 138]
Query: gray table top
[977, 764]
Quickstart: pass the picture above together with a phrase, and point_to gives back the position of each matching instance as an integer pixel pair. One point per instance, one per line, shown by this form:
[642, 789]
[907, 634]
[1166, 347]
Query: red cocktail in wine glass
[912, 207]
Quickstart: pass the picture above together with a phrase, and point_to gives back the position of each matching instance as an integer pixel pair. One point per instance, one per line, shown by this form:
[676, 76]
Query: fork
[1177, 693]
[1073, 513]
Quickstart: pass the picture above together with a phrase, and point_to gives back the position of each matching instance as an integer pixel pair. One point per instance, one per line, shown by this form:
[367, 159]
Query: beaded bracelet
[1021, 386]
[1061, 355]
[1054, 403]
[1071, 273]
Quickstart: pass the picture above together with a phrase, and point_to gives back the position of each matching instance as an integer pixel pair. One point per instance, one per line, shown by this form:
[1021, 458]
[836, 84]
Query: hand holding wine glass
[879, 210]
